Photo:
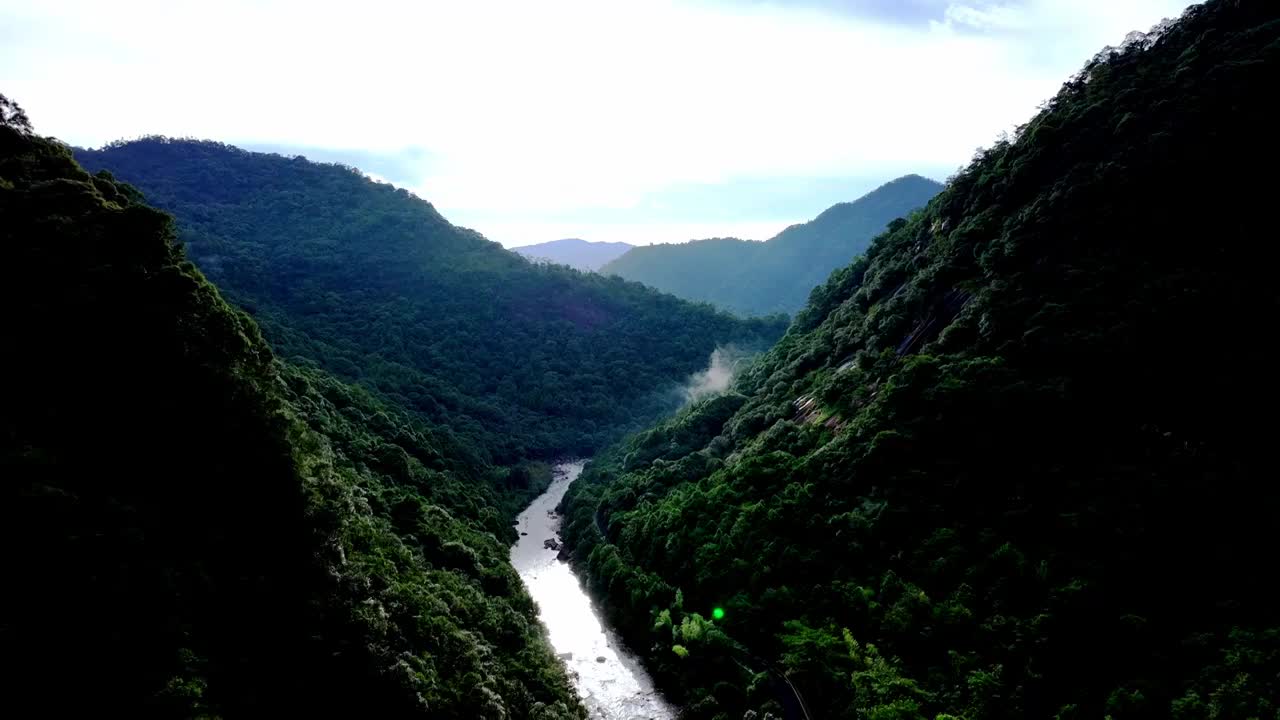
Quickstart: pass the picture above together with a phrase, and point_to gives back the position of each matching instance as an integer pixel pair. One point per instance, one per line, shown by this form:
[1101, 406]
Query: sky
[653, 121]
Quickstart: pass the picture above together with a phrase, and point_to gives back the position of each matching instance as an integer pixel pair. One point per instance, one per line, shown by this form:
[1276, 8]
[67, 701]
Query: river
[611, 681]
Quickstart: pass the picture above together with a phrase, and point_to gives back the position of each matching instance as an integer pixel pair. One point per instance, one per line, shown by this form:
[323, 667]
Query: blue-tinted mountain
[775, 276]
[577, 254]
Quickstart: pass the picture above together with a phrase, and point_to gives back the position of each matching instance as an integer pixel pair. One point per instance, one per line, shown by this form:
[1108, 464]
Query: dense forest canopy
[516, 359]
[775, 276]
[200, 530]
[1015, 462]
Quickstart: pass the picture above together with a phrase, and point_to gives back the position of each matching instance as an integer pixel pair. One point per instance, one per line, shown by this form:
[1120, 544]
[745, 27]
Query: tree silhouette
[11, 115]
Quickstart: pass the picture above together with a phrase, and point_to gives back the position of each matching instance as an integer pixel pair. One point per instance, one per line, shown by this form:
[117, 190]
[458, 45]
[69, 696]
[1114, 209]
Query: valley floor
[612, 682]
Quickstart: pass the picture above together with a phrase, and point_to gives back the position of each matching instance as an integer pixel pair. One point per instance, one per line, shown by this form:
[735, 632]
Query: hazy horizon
[661, 122]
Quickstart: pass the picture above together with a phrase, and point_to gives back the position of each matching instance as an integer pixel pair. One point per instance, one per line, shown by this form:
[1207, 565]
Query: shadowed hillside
[203, 531]
[1016, 461]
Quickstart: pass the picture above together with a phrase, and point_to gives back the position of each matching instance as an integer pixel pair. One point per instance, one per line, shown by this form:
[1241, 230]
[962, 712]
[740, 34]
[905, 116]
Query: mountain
[775, 276]
[577, 254]
[517, 360]
[207, 531]
[1017, 460]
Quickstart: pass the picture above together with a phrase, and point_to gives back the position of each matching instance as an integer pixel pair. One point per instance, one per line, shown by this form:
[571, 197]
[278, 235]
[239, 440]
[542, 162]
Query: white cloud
[986, 17]
[581, 104]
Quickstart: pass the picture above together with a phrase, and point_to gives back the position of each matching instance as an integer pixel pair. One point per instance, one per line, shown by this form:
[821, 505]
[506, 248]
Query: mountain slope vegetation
[577, 254]
[1014, 462]
[516, 359]
[200, 530]
[775, 276]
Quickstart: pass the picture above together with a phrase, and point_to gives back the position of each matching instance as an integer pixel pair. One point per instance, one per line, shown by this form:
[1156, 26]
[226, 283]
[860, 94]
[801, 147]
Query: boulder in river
[524, 533]
[599, 658]
[551, 544]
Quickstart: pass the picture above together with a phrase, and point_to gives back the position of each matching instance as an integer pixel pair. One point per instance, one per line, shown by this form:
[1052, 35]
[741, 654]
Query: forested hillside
[1015, 462]
[775, 276]
[198, 530]
[516, 359]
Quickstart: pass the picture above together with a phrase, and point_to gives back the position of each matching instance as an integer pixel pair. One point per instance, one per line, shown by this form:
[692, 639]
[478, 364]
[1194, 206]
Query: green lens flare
[718, 613]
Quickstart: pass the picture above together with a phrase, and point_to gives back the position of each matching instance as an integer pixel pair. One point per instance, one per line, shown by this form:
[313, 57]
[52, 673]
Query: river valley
[611, 681]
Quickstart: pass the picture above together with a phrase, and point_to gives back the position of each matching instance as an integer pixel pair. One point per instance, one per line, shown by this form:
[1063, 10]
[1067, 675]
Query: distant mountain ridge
[761, 278]
[575, 252]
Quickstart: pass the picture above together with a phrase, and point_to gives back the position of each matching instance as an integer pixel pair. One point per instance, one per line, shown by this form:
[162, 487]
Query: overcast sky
[534, 120]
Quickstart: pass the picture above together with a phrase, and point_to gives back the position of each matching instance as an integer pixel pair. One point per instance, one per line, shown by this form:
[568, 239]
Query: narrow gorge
[611, 680]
